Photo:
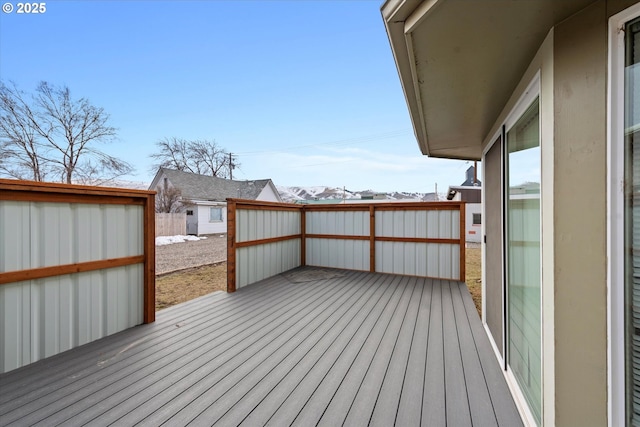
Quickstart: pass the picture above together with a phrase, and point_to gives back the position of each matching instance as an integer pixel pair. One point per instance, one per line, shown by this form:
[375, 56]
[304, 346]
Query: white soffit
[460, 60]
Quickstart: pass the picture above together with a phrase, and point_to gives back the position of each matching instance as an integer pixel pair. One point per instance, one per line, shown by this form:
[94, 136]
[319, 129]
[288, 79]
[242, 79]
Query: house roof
[205, 187]
[459, 62]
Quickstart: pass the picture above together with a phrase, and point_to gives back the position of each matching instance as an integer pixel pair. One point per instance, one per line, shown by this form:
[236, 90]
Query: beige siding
[580, 210]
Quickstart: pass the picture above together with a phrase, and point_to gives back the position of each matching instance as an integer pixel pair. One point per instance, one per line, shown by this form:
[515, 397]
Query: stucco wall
[580, 65]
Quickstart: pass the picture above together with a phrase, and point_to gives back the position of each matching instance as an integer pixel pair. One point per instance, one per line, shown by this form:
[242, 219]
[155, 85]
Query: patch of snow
[168, 240]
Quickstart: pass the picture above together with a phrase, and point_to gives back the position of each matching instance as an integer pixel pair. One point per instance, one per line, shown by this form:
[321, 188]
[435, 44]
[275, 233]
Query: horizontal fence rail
[418, 238]
[77, 263]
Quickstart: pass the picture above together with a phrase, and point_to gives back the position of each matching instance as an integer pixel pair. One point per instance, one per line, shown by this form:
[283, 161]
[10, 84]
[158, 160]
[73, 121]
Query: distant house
[204, 197]
[470, 191]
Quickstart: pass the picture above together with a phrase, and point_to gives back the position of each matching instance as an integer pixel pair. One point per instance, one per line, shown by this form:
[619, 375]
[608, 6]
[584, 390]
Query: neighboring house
[204, 197]
[545, 93]
[471, 192]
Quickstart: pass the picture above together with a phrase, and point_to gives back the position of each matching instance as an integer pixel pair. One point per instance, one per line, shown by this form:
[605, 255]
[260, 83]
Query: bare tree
[168, 200]
[22, 156]
[54, 134]
[201, 156]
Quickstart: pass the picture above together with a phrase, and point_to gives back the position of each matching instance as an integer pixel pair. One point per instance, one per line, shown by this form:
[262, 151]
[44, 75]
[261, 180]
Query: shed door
[494, 286]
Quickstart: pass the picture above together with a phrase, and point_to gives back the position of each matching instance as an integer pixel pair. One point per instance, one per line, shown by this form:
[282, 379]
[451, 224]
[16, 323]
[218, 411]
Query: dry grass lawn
[184, 285]
[474, 276]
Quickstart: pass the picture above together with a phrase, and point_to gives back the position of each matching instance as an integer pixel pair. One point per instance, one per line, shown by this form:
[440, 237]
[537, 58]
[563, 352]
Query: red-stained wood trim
[260, 205]
[267, 241]
[59, 270]
[303, 238]
[420, 206]
[231, 245]
[372, 238]
[463, 242]
[338, 208]
[54, 187]
[149, 281]
[416, 240]
[336, 236]
[38, 196]
[400, 206]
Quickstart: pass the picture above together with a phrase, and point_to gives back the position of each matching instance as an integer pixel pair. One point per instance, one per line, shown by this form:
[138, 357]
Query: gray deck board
[455, 382]
[434, 405]
[352, 348]
[289, 396]
[409, 412]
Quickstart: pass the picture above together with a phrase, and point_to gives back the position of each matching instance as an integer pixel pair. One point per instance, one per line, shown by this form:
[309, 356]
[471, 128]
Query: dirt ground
[179, 256]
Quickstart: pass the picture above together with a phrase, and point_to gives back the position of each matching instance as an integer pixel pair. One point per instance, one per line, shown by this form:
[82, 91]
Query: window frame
[616, 354]
[473, 219]
[218, 208]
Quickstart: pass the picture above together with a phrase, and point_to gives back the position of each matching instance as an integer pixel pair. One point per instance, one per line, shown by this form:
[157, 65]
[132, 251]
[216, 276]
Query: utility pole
[231, 166]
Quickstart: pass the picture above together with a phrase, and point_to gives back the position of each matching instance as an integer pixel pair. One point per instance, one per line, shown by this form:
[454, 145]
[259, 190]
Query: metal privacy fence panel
[77, 263]
[418, 239]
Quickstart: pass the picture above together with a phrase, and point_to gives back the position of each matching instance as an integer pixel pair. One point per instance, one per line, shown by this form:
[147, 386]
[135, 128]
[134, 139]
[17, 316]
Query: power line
[350, 141]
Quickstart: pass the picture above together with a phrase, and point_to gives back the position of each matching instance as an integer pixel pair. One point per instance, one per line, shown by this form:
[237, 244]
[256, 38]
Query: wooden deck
[308, 347]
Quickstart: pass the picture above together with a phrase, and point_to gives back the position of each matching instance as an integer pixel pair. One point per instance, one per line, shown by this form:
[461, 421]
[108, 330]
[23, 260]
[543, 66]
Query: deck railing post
[372, 238]
[231, 245]
[149, 300]
[303, 236]
[463, 238]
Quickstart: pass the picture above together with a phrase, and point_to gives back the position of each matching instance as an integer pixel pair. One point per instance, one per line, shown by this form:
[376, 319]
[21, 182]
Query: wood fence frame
[68, 193]
[234, 204]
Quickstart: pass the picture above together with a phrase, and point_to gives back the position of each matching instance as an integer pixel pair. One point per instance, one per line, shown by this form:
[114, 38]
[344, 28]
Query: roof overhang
[459, 62]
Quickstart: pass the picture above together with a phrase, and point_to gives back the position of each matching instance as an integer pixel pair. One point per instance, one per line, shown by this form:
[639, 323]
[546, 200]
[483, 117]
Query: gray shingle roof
[204, 187]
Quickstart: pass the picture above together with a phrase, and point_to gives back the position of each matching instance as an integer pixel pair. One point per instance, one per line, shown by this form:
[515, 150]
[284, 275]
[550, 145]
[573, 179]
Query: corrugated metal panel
[14, 236]
[419, 259]
[40, 318]
[49, 234]
[265, 224]
[254, 263]
[351, 223]
[338, 253]
[441, 224]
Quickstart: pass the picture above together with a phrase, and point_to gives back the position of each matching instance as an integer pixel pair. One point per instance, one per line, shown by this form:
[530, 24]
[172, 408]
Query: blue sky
[304, 92]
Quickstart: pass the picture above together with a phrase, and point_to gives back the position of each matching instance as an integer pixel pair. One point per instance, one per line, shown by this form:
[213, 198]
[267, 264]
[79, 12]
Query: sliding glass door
[524, 325]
